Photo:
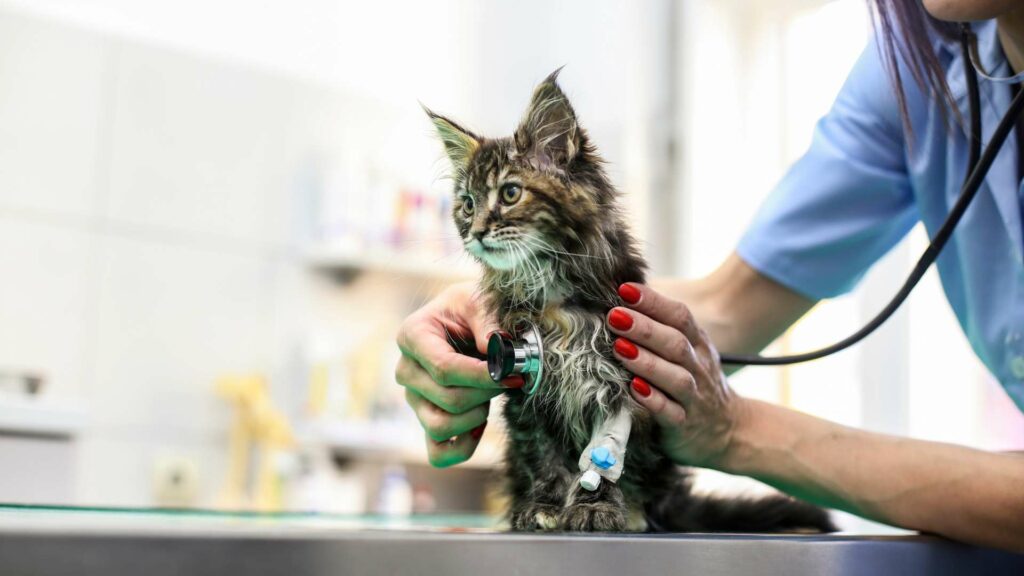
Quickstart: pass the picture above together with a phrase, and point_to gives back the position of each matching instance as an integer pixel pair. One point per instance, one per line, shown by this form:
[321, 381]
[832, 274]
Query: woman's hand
[678, 376]
[449, 391]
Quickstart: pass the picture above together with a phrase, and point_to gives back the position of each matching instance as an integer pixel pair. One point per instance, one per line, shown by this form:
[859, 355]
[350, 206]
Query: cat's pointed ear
[459, 143]
[549, 132]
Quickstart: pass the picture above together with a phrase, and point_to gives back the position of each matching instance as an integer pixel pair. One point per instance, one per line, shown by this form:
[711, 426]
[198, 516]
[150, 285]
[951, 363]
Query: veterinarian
[892, 151]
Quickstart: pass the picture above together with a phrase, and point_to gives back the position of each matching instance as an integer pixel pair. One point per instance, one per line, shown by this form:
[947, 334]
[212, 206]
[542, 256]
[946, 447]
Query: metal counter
[88, 543]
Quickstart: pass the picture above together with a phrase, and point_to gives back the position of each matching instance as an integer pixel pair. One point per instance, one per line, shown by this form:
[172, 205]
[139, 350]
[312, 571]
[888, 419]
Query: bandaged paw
[602, 461]
[605, 455]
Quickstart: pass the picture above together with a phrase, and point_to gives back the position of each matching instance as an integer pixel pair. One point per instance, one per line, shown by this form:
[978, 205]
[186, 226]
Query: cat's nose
[479, 235]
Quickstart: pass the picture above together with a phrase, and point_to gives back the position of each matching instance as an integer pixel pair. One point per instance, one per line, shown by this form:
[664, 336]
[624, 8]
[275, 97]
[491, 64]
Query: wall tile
[171, 320]
[51, 109]
[45, 279]
[198, 146]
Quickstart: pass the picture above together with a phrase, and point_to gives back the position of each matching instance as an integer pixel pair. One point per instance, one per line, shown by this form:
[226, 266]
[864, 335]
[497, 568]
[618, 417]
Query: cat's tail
[686, 512]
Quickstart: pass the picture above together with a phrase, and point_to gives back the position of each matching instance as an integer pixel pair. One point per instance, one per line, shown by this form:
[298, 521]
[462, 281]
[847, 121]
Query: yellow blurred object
[257, 425]
[364, 377]
[319, 382]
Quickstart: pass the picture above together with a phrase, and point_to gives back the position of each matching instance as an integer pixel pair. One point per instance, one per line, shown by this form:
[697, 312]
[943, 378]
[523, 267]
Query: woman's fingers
[447, 387]
[666, 412]
[672, 379]
[678, 375]
[427, 343]
[663, 340]
[661, 308]
[454, 400]
[441, 425]
[455, 450]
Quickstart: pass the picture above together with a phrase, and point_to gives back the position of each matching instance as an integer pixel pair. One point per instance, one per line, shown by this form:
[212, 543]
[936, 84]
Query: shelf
[390, 441]
[40, 417]
[452, 266]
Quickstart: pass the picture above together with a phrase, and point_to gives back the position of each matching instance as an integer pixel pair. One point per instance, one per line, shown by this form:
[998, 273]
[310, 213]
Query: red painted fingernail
[629, 293]
[513, 382]
[477, 432]
[641, 386]
[620, 320]
[626, 349]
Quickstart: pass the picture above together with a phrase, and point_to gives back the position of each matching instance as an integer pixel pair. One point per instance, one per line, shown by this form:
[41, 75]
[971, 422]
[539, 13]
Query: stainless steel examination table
[89, 542]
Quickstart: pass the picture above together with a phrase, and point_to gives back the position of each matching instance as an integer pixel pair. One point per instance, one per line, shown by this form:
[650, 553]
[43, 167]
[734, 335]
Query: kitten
[539, 213]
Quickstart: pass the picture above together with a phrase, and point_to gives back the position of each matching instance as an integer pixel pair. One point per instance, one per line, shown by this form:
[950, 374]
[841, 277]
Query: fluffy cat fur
[539, 213]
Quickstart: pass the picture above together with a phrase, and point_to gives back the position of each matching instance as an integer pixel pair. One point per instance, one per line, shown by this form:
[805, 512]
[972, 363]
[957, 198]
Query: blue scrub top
[860, 188]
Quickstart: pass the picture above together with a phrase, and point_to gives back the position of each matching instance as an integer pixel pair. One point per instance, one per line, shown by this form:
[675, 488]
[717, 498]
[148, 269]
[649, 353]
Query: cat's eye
[468, 205]
[510, 194]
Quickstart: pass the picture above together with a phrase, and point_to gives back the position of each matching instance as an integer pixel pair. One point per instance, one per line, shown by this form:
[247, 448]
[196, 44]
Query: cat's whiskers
[527, 284]
[533, 262]
[568, 276]
[571, 275]
[545, 246]
[534, 276]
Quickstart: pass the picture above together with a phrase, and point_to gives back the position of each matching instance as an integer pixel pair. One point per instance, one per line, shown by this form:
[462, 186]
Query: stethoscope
[523, 353]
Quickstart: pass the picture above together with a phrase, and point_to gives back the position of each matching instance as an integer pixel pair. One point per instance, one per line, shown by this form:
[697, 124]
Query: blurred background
[214, 214]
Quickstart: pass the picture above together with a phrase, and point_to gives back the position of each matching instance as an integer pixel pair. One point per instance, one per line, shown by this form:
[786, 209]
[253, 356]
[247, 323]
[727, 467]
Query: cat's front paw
[593, 517]
[600, 511]
[535, 517]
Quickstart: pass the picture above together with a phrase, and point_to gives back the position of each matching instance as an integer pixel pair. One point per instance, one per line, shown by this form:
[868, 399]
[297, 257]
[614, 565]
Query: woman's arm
[742, 309]
[957, 492]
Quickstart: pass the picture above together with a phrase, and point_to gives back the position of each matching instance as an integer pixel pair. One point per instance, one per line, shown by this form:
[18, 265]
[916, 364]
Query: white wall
[378, 48]
[145, 228]
[154, 161]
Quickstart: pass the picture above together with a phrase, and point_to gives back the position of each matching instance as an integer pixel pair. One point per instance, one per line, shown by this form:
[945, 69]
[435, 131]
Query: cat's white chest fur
[579, 376]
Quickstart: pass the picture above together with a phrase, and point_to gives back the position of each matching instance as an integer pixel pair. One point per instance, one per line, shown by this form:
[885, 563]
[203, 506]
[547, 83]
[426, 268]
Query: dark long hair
[905, 31]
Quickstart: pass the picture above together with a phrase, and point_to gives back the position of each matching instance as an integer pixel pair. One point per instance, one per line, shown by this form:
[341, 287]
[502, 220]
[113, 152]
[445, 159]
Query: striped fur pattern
[538, 211]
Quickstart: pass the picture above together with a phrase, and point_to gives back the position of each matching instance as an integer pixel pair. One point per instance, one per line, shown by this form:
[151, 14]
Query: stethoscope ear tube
[977, 170]
[967, 40]
[972, 59]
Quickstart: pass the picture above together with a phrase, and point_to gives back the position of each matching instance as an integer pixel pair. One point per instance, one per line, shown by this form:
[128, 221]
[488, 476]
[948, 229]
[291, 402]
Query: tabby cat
[539, 213]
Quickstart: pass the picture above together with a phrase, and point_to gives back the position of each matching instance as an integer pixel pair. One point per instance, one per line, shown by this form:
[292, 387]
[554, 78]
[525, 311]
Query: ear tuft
[548, 131]
[459, 143]
[553, 77]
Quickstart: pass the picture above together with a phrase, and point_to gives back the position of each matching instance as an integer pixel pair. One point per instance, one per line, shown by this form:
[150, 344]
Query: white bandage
[612, 435]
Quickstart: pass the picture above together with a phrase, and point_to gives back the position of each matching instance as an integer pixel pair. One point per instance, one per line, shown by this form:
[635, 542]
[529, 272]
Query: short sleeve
[847, 201]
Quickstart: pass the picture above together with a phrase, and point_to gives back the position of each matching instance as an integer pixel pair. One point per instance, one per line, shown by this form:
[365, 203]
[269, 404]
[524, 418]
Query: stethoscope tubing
[978, 164]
